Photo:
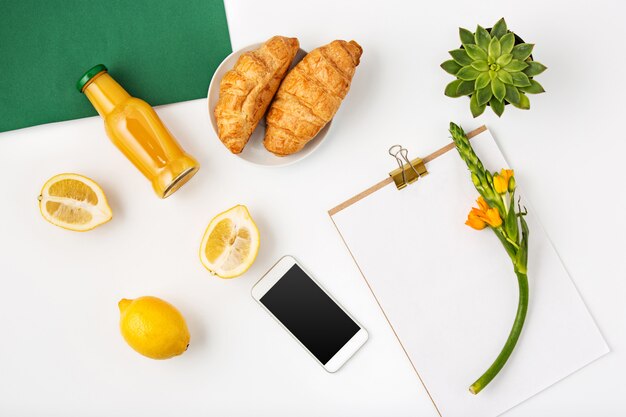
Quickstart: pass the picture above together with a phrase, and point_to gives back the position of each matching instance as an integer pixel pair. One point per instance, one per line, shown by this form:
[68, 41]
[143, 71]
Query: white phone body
[272, 277]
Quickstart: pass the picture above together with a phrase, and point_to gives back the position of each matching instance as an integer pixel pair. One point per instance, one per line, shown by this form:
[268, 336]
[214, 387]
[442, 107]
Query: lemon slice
[230, 243]
[74, 202]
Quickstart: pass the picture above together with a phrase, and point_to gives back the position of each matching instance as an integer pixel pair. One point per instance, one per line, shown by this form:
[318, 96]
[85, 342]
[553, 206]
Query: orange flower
[501, 180]
[474, 221]
[479, 218]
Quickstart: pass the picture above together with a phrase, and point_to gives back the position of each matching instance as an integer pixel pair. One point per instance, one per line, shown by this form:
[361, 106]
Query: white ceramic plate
[254, 151]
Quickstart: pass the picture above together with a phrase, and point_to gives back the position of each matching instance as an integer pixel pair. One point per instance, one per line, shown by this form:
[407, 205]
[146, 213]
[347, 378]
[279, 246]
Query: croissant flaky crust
[310, 95]
[247, 90]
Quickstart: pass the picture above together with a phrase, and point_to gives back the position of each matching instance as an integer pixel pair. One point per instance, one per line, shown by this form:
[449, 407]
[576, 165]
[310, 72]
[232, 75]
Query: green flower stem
[508, 236]
[515, 245]
[516, 330]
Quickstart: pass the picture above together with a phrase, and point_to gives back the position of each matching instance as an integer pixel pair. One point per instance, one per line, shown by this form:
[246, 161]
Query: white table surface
[61, 352]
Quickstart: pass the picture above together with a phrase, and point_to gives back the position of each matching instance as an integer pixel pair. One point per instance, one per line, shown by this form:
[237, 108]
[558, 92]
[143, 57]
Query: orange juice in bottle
[135, 128]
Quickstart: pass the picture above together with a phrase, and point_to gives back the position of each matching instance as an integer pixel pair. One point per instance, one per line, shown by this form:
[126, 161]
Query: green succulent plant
[493, 70]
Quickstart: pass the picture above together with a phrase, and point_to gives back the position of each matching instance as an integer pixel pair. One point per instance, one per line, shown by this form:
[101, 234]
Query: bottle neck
[105, 93]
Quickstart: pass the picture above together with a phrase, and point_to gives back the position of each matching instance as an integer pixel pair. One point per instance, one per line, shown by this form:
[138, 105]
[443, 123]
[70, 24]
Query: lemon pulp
[74, 202]
[230, 243]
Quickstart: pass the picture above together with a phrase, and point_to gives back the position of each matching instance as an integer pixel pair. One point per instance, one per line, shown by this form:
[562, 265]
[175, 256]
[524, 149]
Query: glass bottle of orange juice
[135, 128]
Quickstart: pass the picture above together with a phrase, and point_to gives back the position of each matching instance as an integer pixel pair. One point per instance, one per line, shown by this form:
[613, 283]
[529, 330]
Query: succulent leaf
[468, 73]
[520, 79]
[492, 74]
[484, 95]
[515, 65]
[460, 56]
[507, 42]
[505, 77]
[512, 94]
[534, 68]
[522, 51]
[467, 37]
[476, 52]
[497, 106]
[465, 88]
[533, 88]
[498, 88]
[476, 108]
[451, 67]
[482, 81]
[451, 89]
[482, 37]
[499, 29]
[494, 49]
[481, 66]
[524, 102]
[504, 60]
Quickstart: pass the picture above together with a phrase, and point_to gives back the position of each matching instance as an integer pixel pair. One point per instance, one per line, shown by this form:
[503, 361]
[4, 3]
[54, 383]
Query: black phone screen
[310, 314]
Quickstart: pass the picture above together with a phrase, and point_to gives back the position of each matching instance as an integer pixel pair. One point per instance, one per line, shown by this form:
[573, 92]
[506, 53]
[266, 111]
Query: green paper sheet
[162, 51]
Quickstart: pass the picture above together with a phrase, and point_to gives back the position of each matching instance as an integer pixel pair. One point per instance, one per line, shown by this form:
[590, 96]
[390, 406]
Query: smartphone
[309, 313]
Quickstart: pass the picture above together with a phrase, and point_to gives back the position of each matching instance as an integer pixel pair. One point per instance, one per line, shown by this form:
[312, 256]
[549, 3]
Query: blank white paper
[450, 292]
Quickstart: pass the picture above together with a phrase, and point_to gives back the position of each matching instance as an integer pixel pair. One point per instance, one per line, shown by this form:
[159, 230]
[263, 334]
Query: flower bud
[475, 180]
[512, 184]
[502, 181]
[500, 184]
[489, 178]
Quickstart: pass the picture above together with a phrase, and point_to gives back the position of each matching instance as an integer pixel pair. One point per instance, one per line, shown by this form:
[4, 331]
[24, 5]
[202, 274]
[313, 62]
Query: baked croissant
[310, 95]
[247, 90]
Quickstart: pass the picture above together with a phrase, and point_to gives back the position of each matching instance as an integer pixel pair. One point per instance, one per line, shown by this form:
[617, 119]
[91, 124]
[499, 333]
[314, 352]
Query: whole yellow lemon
[153, 327]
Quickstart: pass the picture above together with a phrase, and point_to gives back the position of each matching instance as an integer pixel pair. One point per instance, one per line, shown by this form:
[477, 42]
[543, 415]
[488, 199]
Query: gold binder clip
[408, 171]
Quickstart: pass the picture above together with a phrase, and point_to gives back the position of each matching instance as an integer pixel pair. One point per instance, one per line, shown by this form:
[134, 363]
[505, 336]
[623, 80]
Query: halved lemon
[230, 243]
[74, 202]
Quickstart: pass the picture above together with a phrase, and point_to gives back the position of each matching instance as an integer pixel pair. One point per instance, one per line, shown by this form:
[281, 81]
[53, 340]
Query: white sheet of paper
[450, 292]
